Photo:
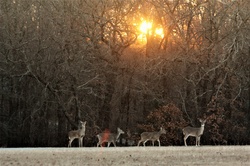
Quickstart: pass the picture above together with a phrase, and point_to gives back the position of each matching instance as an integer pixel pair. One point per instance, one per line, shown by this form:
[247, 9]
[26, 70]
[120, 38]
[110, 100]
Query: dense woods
[63, 61]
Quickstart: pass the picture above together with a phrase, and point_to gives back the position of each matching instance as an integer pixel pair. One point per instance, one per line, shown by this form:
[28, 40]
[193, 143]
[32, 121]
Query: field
[144, 156]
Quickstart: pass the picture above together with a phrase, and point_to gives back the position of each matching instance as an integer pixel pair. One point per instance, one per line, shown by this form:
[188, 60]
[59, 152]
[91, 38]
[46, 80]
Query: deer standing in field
[80, 133]
[194, 132]
[153, 136]
[109, 137]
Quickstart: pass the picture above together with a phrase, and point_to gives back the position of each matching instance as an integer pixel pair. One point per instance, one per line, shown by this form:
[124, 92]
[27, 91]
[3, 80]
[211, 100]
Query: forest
[134, 64]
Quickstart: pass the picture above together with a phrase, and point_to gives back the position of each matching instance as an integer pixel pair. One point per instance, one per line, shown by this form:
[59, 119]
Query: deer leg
[70, 141]
[108, 144]
[139, 143]
[145, 142]
[198, 140]
[114, 144]
[99, 143]
[185, 138]
[82, 141]
[159, 142]
[102, 144]
[79, 142]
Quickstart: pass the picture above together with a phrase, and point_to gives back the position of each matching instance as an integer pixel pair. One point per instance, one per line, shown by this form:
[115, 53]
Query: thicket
[63, 61]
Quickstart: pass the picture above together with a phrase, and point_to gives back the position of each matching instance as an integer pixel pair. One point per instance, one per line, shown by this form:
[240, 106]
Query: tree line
[64, 61]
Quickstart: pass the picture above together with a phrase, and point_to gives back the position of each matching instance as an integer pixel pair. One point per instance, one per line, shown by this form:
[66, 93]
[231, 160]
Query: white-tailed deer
[194, 132]
[80, 133]
[153, 136]
[109, 137]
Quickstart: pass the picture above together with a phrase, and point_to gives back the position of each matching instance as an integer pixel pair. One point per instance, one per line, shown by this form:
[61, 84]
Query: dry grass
[204, 155]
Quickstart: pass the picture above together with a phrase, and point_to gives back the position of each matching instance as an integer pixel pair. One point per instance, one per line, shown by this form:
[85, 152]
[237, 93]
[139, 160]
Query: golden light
[145, 27]
[159, 32]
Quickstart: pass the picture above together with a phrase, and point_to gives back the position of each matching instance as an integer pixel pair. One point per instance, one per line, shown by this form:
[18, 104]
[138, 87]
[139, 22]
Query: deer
[153, 136]
[109, 137]
[80, 133]
[194, 132]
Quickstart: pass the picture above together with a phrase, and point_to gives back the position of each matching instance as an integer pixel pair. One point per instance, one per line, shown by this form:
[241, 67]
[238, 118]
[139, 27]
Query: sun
[146, 28]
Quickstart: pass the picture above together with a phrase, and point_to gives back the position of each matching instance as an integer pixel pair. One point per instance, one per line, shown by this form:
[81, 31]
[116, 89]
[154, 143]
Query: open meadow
[168, 155]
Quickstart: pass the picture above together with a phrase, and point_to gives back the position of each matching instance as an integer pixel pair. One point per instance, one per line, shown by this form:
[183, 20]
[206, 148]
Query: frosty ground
[144, 156]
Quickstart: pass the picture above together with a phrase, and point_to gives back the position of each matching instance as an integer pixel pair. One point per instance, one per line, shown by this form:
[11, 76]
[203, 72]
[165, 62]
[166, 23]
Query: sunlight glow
[145, 27]
[159, 32]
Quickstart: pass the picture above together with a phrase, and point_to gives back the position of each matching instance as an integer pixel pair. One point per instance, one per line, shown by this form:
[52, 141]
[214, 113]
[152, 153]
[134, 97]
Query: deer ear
[83, 123]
